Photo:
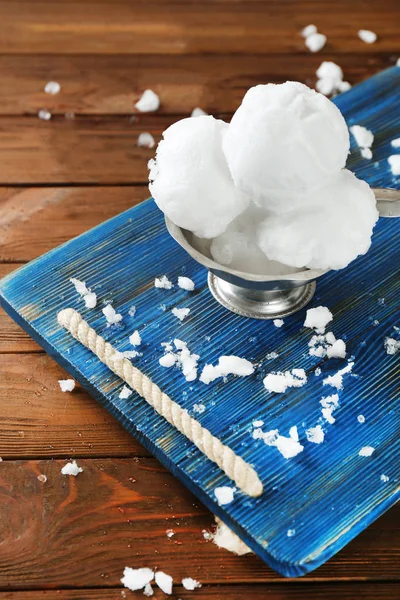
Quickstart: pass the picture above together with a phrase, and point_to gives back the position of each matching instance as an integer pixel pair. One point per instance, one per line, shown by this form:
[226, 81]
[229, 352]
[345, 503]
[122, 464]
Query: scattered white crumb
[392, 346]
[394, 163]
[329, 405]
[90, 300]
[224, 494]
[336, 380]
[89, 297]
[396, 143]
[318, 318]
[42, 478]
[170, 533]
[148, 590]
[227, 365]
[366, 153]
[322, 345]
[190, 584]
[135, 339]
[364, 139]
[180, 313]
[207, 535]
[258, 423]
[225, 538]
[137, 579]
[199, 408]
[281, 381]
[315, 434]
[317, 372]
[315, 42]
[164, 582]
[384, 478]
[111, 316]
[66, 385]
[132, 311]
[369, 37]
[272, 355]
[71, 469]
[361, 419]
[308, 30]
[278, 322]
[337, 350]
[366, 451]
[44, 115]
[125, 392]
[198, 112]
[330, 79]
[145, 140]
[344, 86]
[168, 360]
[287, 446]
[183, 358]
[149, 102]
[163, 282]
[52, 88]
[186, 283]
[131, 353]
[327, 415]
[291, 532]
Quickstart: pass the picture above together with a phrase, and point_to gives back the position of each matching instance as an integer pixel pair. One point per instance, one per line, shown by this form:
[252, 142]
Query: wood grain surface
[68, 538]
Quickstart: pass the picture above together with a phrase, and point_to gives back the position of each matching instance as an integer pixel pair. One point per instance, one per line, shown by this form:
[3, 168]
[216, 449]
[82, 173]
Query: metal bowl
[264, 296]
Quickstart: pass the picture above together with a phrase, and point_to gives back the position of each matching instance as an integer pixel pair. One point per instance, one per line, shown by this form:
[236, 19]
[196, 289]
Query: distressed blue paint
[328, 494]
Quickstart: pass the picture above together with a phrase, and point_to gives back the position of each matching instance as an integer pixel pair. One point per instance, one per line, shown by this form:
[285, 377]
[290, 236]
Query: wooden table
[71, 538]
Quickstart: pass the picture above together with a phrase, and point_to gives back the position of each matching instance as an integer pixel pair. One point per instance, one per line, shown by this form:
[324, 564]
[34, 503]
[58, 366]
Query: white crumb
[111, 316]
[366, 153]
[132, 311]
[287, 446]
[361, 419]
[183, 358]
[207, 535]
[71, 469]
[330, 79]
[170, 533]
[329, 405]
[180, 313]
[186, 283]
[198, 112]
[149, 102]
[137, 579]
[145, 140]
[322, 345]
[318, 318]
[272, 355]
[199, 408]
[168, 360]
[366, 451]
[44, 115]
[394, 163]
[337, 350]
[190, 584]
[131, 353]
[52, 88]
[336, 380]
[278, 322]
[163, 282]
[227, 365]
[327, 415]
[291, 532]
[384, 478]
[90, 300]
[392, 346]
[364, 137]
[125, 392]
[398, 62]
[315, 42]
[42, 478]
[294, 434]
[395, 143]
[164, 582]
[281, 381]
[148, 590]
[369, 37]
[88, 296]
[225, 538]
[308, 30]
[224, 494]
[258, 423]
[315, 434]
[135, 339]
[317, 372]
[66, 385]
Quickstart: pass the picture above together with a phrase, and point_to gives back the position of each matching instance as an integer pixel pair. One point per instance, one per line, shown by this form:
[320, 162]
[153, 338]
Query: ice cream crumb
[182, 358]
[361, 419]
[88, 296]
[281, 381]
[337, 350]
[315, 434]
[132, 311]
[186, 283]
[392, 346]
[291, 532]
[336, 380]
[199, 408]
[366, 153]
[170, 533]
[258, 423]
[168, 360]
[198, 112]
[71, 468]
[207, 535]
[224, 494]
[396, 143]
[148, 590]
[329, 405]
[364, 137]
[44, 115]
[330, 79]
[384, 478]
[125, 393]
[135, 339]
[180, 313]
[137, 579]
[149, 102]
[66, 385]
[227, 365]
[318, 318]
[163, 282]
[308, 30]
[287, 446]
[52, 88]
[278, 322]
[131, 353]
[225, 538]
[111, 316]
[164, 582]
[145, 140]
[394, 163]
[190, 584]
[272, 355]
[317, 372]
[315, 42]
[366, 451]
[369, 37]
[42, 478]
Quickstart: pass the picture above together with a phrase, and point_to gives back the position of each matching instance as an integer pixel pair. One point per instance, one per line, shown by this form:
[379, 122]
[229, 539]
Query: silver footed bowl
[264, 296]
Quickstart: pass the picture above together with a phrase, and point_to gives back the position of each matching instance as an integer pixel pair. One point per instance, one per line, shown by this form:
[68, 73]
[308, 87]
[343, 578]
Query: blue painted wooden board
[327, 494]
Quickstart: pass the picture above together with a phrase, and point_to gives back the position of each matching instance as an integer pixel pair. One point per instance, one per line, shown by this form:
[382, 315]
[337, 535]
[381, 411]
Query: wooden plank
[38, 420]
[112, 84]
[191, 28]
[274, 591]
[33, 221]
[87, 150]
[116, 513]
